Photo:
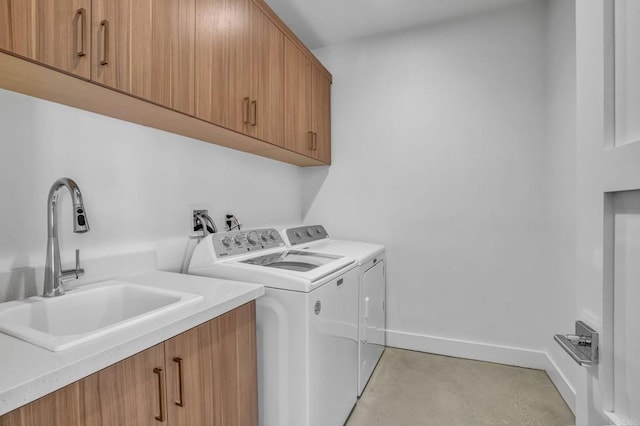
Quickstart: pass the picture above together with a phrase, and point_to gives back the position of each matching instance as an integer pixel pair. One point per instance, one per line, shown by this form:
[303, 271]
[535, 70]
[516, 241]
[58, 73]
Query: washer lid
[293, 260]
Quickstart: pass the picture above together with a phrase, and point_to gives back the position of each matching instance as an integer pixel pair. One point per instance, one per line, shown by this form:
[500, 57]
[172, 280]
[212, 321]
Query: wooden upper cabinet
[239, 69]
[307, 106]
[297, 100]
[231, 63]
[222, 62]
[321, 115]
[52, 32]
[266, 113]
[146, 48]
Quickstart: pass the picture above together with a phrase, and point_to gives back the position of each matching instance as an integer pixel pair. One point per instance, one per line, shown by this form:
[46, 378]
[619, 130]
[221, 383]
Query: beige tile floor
[417, 389]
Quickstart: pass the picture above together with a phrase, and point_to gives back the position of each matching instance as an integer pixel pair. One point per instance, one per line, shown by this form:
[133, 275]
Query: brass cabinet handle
[245, 111]
[105, 42]
[82, 36]
[160, 374]
[310, 141]
[180, 402]
[254, 109]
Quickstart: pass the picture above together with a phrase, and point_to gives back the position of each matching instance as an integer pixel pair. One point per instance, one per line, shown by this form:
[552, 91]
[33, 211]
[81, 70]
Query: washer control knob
[272, 235]
[226, 241]
[264, 236]
[310, 232]
[318, 231]
[297, 234]
[238, 239]
[252, 238]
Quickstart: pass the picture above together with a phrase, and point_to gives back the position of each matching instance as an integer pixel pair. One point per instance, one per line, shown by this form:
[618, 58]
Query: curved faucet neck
[53, 268]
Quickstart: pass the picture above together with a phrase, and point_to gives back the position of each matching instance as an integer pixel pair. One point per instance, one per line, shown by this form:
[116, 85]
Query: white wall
[138, 184]
[440, 153]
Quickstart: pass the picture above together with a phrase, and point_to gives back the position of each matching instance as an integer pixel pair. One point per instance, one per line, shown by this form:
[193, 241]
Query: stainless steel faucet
[53, 274]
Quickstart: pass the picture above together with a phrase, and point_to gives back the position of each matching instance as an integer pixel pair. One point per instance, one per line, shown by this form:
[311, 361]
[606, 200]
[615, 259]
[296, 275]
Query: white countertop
[28, 372]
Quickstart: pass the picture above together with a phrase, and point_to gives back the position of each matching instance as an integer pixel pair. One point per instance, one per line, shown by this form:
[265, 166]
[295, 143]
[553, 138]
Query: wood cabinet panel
[307, 106]
[297, 98]
[215, 366]
[239, 69]
[61, 408]
[146, 48]
[234, 334]
[222, 62]
[242, 325]
[206, 376]
[267, 78]
[52, 32]
[128, 393]
[321, 117]
[18, 27]
[192, 368]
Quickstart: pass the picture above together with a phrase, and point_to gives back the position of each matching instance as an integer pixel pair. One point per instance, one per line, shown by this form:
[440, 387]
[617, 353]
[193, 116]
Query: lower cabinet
[205, 376]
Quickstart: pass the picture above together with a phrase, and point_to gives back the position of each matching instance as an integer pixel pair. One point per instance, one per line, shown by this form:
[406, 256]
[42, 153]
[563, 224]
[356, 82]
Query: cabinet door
[192, 371]
[297, 100]
[267, 78]
[60, 408]
[129, 393]
[222, 62]
[235, 342]
[211, 372]
[321, 116]
[146, 49]
[53, 32]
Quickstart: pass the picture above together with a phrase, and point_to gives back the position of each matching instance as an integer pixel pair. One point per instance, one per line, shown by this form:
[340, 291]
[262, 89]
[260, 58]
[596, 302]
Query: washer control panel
[239, 242]
[306, 234]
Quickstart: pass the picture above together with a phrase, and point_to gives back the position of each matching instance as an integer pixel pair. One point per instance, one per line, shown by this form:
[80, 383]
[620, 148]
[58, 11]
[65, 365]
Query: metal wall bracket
[581, 346]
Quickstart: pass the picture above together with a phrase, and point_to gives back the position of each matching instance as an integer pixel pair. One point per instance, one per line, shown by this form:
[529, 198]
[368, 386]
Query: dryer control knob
[238, 239]
[252, 237]
[297, 234]
[272, 235]
[226, 241]
[310, 232]
[264, 236]
[318, 231]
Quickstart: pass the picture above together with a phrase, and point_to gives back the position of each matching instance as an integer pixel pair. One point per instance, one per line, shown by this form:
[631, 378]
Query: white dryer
[371, 289]
[307, 330]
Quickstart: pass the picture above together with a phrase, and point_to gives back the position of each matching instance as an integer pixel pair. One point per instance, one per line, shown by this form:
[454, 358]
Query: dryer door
[372, 321]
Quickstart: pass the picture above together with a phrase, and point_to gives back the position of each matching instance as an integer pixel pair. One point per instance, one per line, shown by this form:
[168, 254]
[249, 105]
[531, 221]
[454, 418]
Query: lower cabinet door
[61, 408]
[192, 368]
[131, 392]
[235, 347]
[212, 370]
[206, 376]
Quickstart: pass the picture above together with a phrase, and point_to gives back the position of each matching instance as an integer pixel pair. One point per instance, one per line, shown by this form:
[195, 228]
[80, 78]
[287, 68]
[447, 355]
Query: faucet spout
[54, 274]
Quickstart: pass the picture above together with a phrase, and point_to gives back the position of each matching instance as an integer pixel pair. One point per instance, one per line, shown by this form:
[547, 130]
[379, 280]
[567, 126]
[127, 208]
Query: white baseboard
[561, 383]
[508, 355]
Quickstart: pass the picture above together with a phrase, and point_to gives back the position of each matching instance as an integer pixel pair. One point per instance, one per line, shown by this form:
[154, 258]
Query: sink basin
[87, 312]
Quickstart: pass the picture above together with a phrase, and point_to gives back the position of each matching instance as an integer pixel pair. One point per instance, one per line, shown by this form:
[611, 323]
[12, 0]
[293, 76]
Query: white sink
[87, 312]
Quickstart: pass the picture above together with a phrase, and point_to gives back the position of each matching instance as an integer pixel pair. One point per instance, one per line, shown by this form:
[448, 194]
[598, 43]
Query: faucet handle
[78, 271]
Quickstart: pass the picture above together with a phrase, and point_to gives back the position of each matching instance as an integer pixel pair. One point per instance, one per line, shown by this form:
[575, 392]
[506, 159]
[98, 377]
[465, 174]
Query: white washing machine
[371, 289]
[307, 328]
